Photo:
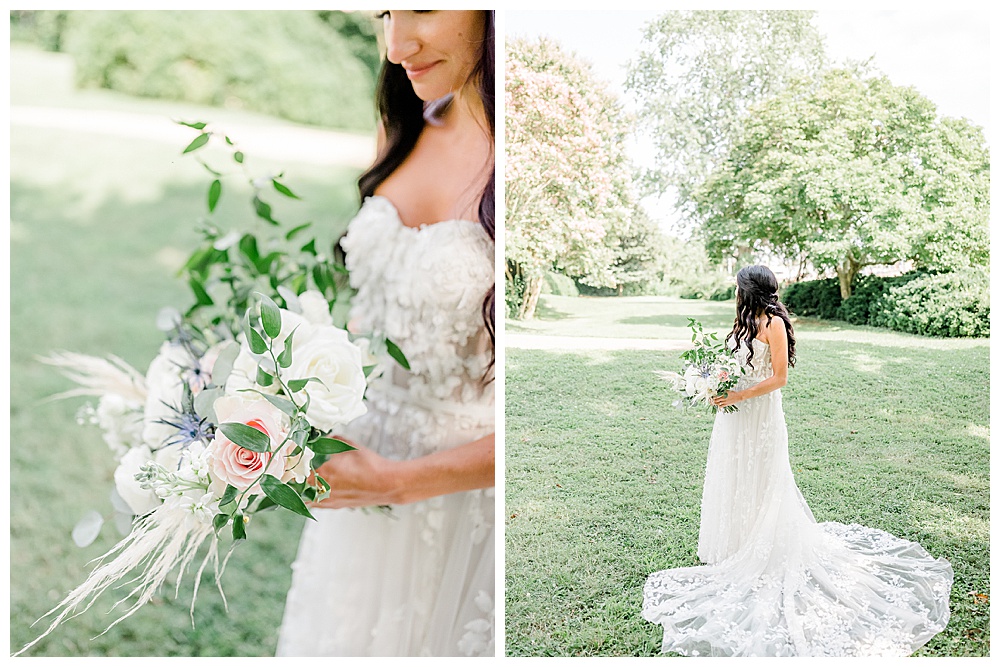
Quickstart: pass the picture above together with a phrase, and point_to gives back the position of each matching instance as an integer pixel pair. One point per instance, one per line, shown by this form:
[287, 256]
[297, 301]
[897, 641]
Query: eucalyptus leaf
[239, 527]
[214, 192]
[198, 126]
[397, 354]
[284, 495]
[281, 403]
[223, 365]
[246, 437]
[270, 316]
[198, 142]
[285, 358]
[257, 343]
[209, 169]
[248, 246]
[264, 379]
[330, 446]
[238, 156]
[295, 231]
[228, 495]
[299, 385]
[88, 528]
[283, 189]
[199, 292]
[204, 403]
[263, 210]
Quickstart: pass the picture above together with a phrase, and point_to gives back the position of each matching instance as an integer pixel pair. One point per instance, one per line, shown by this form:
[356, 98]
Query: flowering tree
[848, 170]
[697, 73]
[567, 176]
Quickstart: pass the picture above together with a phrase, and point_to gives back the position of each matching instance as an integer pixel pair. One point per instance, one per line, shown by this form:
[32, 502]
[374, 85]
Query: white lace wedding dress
[777, 583]
[420, 582]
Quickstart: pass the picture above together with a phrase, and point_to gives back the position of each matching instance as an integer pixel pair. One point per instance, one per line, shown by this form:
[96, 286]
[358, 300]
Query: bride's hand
[358, 478]
[731, 398]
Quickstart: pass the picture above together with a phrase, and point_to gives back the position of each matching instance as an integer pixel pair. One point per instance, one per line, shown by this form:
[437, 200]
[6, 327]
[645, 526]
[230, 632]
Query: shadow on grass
[545, 311]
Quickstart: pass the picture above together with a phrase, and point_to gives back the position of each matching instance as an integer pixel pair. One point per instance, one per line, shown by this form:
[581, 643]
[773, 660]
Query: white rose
[140, 500]
[328, 355]
[701, 388]
[315, 308]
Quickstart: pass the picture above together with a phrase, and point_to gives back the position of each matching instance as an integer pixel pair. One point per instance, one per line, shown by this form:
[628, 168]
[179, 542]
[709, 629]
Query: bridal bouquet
[230, 418]
[710, 370]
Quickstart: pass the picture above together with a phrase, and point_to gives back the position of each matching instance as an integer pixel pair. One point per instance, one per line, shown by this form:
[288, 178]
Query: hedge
[946, 304]
[309, 67]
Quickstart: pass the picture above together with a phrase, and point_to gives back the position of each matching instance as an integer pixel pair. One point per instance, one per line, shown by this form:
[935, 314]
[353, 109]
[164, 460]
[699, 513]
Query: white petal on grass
[88, 528]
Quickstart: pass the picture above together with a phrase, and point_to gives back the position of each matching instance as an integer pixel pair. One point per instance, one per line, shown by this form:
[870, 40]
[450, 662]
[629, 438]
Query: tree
[847, 171]
[640, 251]
[567, 175]
[697, 74]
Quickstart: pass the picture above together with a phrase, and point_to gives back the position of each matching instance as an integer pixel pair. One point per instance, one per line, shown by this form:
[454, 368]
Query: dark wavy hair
[756, 295]
[403, 116]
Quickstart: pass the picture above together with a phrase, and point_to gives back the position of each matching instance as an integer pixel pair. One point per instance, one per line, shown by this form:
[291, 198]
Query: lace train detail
[779, 584]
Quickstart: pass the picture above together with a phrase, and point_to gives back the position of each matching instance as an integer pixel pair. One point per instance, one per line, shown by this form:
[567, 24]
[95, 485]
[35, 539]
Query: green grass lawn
[99, 228]
[604, 477]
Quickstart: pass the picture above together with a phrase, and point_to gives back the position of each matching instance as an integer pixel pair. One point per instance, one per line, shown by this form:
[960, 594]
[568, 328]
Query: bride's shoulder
[774, 330]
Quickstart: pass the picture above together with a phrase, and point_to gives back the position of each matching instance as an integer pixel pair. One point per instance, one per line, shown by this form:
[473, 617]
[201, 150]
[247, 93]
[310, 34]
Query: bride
[419, 581]
[776, 582]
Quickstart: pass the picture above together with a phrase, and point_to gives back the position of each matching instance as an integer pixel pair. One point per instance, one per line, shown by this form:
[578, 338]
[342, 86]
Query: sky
[943, 54]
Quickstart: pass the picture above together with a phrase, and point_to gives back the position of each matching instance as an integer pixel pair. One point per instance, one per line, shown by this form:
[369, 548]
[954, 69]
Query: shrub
[290, 64]
[44, 28]
[560, 285]
[947, 304]
[866, 291]
[724, 293]
[813, 298]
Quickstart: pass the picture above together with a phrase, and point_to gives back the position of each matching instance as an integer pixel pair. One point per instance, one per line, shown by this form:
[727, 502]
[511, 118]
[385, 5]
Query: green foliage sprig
[279, 261]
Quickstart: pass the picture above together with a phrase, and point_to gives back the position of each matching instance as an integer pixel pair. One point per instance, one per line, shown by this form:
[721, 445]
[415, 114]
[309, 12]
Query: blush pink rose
[232, 464]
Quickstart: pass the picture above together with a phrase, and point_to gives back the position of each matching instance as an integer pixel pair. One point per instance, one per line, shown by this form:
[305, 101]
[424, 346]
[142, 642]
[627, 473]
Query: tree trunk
[532, 290]
[846, 271]
[743, 255]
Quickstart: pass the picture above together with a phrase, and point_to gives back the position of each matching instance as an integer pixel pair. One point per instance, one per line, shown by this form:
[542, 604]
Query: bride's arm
[777, 338]
[362, 478]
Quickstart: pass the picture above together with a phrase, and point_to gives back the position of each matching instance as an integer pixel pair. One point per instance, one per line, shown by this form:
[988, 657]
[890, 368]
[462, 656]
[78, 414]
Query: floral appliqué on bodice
[423, 287]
